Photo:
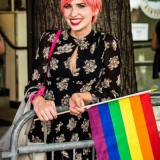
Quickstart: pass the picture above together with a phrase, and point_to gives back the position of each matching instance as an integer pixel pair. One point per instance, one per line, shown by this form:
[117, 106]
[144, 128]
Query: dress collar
[89, 37]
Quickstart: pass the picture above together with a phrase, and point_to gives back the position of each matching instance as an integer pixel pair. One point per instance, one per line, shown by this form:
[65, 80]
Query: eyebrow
[80, 3]
[76, 4]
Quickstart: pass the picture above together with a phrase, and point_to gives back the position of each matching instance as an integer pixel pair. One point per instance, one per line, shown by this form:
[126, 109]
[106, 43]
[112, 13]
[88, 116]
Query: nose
[74, 12]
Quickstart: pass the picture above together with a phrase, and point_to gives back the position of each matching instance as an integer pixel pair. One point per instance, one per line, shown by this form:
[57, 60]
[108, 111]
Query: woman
[84, 69]
[155, 45]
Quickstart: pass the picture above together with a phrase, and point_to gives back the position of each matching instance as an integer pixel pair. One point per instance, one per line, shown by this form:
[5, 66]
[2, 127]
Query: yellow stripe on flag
[130, 128]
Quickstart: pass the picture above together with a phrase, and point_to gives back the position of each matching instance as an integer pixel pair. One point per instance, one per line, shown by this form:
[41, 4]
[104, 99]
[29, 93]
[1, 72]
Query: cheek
[66, 14]
[87, 14]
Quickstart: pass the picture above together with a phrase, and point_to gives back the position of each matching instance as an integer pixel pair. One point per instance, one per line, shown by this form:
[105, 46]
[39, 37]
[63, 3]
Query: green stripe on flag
[119, 130]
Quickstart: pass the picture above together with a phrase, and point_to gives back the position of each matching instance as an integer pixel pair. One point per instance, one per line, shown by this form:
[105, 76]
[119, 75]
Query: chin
[77, 29]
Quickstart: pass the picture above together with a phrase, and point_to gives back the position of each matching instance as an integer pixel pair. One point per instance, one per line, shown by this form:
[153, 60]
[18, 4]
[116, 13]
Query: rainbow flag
[125, 129]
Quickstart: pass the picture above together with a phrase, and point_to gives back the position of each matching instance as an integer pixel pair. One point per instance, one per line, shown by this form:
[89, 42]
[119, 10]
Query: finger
[53, 110]
[73, 111]
[44, 116]
[40, 117]
[80, 110]
[80, 103]
[49, 115]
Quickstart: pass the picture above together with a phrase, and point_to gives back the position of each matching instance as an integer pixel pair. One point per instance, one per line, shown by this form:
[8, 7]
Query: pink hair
[96, 5]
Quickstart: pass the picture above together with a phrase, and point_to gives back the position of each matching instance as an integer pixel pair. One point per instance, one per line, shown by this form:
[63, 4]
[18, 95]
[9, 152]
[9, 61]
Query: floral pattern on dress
[45, 52]
[60, 138]
[35, 75]
[87, 87]
[63, 85]
[92, 48]
[53, 64]
[90, 66]
[113, 62]
[58, 128]
[85, 125]
[75, 137]
[82, 43]
[65, 100]
[72, 124]
[66, 48]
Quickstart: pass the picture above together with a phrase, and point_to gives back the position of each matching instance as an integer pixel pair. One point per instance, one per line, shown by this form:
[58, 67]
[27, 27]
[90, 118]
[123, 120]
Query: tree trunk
[114, 19]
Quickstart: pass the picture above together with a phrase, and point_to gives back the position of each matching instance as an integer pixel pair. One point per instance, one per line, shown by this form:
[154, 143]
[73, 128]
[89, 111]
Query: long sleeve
[109, 82]
[40, 63]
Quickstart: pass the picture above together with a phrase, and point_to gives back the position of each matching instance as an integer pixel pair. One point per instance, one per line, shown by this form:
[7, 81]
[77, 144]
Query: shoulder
[106, 37]
[48, 34]
[109, 41]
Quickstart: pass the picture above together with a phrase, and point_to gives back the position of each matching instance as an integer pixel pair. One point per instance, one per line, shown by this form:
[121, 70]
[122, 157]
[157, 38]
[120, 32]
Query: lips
[75, 21]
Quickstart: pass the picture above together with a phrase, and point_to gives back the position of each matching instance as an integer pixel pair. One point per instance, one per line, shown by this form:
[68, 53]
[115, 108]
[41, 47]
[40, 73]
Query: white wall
[21, 40]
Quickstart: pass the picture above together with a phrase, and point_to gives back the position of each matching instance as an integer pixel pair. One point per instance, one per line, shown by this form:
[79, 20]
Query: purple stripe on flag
[96, 127]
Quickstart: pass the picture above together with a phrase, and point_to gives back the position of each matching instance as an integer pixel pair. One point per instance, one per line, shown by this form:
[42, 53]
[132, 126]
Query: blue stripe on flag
[108, 132]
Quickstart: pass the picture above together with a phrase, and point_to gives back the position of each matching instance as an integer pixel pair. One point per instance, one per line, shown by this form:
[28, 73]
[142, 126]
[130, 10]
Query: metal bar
[74, 153]
[55, 147]
[49, 147]
[52, 155]
[93, 153]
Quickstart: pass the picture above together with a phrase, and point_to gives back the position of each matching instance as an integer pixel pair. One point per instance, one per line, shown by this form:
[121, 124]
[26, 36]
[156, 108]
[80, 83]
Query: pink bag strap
[53, 44]
[52, 49]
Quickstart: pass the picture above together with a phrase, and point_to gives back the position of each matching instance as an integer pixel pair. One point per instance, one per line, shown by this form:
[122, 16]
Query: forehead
[74, 1]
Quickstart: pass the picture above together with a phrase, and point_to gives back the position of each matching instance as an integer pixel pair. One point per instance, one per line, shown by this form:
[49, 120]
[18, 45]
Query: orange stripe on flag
[141, 128]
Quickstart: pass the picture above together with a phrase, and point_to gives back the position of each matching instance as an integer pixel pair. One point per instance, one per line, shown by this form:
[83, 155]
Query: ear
[96, 12]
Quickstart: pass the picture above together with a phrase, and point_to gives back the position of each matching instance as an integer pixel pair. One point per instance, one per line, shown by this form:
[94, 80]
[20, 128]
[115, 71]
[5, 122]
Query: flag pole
[99, 103]
[135, 94]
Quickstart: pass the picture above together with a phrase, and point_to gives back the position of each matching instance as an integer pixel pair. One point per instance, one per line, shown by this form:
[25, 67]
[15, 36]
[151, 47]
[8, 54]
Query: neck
[80, 34]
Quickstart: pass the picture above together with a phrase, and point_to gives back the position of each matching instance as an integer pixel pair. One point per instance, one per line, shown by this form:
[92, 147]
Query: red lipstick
[75, 21]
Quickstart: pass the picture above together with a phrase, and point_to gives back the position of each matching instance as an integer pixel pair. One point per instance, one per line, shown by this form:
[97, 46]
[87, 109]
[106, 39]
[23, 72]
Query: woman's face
[78, 15]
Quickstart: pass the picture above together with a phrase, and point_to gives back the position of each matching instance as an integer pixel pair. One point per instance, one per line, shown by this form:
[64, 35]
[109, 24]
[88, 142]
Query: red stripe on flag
[151, 124]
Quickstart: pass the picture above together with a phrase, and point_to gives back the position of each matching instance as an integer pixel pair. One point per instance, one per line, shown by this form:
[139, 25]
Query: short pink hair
[96, 5]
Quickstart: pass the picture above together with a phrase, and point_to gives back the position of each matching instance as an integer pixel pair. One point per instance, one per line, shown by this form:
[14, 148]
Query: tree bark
[114, 19]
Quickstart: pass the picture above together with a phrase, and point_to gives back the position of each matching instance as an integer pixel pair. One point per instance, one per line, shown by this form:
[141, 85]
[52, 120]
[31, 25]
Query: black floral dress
[97, 71]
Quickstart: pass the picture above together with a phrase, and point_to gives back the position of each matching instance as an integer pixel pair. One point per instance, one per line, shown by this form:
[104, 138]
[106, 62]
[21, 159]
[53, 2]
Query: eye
[67, 6]
[81, 5]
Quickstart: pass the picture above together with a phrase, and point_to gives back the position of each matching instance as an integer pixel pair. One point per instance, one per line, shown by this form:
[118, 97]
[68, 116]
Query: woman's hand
[75, 104]
[45, 109]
